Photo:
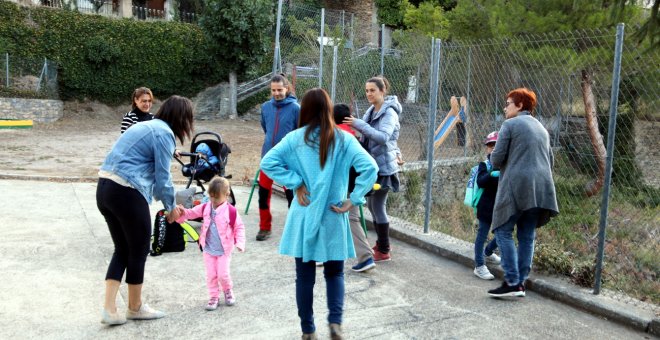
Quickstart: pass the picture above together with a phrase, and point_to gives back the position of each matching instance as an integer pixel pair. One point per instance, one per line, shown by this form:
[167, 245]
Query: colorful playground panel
[15, 124]
[455, 115]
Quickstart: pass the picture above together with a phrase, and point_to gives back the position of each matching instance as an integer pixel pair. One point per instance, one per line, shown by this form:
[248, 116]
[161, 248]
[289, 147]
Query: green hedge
[106, 59]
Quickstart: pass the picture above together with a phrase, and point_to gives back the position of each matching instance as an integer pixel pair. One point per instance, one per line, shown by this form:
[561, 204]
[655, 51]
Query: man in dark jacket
[279, 116]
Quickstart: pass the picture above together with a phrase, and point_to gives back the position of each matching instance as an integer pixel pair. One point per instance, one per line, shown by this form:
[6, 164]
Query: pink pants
[217, 269]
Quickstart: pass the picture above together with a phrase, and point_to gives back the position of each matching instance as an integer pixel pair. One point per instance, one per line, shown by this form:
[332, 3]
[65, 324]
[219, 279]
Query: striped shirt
[133, 117]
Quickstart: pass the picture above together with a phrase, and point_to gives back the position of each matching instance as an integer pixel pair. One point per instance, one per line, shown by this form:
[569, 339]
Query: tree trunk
[594, 186]
[233, 89]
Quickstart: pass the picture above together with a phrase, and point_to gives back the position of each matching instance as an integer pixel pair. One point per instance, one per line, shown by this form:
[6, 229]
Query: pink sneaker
[229, 297]
[213, 304]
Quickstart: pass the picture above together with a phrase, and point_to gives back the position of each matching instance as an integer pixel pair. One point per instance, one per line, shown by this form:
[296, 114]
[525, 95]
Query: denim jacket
[142, 156]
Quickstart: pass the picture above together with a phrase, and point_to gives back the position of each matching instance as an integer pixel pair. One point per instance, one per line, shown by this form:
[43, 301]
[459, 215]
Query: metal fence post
[321, 49]
[467, 105]
[276, 53]
[382, 50]
[334, 72]
[614, 101]
[433, 107]
[7, 68]
[431, 65]
[342, 23]
[352, 30]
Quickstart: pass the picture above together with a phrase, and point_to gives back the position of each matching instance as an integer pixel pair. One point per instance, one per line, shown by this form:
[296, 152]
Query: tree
[429, 18]
[475, 19]
[241, 31]
[650, 29]
[391, 12]
[469, 20]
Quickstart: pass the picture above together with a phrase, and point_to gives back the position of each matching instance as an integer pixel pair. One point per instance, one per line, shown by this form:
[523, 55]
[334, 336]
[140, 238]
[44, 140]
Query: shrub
[106, 59]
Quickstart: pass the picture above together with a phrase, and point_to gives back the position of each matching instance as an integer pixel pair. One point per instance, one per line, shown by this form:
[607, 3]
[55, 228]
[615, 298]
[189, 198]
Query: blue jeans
[517, 263]
[482, 236]
[334, 282]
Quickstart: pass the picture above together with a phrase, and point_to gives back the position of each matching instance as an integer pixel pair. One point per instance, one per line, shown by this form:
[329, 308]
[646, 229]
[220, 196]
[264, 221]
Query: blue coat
[278, 117]
[315, 232]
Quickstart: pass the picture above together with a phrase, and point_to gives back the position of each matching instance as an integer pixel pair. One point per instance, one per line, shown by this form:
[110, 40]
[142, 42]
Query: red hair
[523, 96]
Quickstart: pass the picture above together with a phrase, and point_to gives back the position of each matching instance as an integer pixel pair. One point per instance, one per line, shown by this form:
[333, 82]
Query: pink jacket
[229, 236]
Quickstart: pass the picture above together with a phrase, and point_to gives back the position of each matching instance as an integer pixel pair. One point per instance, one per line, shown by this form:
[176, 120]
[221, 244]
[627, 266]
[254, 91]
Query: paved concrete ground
[55, 248]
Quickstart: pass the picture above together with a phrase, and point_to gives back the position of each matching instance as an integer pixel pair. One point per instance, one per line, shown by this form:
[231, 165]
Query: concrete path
[55, 248]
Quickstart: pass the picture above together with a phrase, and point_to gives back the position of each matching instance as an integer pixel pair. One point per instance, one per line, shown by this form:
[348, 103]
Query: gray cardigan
[525, 159]
[380, 132]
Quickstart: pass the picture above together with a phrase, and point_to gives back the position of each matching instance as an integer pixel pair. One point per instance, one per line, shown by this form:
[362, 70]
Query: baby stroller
[208, 158]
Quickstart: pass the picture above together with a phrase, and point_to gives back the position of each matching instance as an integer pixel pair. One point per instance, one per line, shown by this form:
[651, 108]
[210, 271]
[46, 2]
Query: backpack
[169, 237]
[472, 191]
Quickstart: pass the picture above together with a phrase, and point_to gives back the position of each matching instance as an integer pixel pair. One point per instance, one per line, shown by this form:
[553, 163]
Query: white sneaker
[493, 258]
[483, 273]
[112, 319]
[144, 313]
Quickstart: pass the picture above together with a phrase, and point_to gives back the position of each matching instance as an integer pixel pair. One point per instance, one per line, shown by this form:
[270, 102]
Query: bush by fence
[105, 59]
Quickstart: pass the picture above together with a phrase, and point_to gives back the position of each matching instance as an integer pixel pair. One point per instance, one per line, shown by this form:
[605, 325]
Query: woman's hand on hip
[303, 195]
[342, 207]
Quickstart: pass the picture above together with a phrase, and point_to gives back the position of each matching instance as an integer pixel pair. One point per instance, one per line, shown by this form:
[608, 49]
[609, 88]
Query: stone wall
[449, 177]
[647, 153]
[39, 110]
[365, 19]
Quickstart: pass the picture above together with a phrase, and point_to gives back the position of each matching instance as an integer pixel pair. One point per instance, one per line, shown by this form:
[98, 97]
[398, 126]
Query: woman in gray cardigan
[380, 131]
[526, 196]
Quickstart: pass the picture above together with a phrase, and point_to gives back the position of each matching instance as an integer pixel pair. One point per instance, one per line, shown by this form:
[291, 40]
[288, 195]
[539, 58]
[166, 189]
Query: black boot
[383, 234]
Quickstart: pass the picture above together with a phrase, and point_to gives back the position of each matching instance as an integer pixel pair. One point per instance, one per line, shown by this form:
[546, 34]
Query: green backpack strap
[194, 236]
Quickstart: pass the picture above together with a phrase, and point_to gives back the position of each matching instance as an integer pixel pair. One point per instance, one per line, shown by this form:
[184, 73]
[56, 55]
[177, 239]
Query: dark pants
[127, 214]
[334, 282]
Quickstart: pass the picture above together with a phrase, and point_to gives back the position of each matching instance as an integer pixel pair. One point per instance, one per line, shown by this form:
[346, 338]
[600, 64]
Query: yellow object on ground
[15, 124]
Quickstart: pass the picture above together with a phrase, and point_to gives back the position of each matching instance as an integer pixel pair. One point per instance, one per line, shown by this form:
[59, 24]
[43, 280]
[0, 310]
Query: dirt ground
[76, 144]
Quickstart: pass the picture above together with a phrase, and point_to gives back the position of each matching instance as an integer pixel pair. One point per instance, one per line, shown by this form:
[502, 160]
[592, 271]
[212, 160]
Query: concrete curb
[461, 252]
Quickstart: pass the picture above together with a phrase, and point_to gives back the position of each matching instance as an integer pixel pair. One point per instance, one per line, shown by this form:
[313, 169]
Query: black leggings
[127, 214]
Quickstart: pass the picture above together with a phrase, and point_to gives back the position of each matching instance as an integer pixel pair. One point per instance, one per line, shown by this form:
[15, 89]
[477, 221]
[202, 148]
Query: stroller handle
[206, 133]
[189, 154]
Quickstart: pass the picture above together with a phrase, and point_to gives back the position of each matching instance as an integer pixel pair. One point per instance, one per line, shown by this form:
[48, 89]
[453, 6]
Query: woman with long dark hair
[314, 162]
[137, 169]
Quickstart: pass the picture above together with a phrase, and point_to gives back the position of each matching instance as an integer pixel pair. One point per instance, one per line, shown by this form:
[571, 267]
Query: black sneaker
[506, 290]
[263, 235]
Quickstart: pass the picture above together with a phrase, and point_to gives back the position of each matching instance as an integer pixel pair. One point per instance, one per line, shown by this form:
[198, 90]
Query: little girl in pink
[217, 239]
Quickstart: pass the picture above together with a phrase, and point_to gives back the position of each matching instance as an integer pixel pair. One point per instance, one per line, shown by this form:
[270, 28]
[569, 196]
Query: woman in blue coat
[314, 161]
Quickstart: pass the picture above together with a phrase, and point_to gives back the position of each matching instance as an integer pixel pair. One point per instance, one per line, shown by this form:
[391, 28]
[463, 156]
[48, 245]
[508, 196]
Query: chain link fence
[26, 77]
[562, 68]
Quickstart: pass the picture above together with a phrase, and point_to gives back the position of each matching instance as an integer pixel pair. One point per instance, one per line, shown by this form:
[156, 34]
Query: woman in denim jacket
[137, 168]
